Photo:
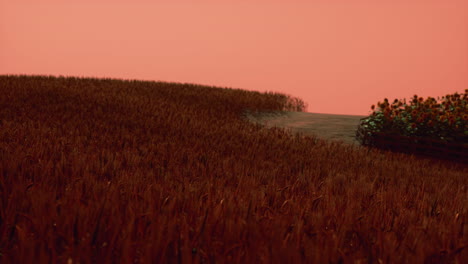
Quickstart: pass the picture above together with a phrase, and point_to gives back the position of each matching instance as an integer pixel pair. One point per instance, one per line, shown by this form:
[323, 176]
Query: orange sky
[339, 56]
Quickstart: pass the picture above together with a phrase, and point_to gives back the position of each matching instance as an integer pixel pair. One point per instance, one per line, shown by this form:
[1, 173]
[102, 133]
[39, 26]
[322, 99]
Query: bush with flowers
[445, 118]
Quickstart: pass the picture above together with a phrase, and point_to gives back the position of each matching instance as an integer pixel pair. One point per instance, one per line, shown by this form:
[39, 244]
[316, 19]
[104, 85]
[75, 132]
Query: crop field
[126, 171]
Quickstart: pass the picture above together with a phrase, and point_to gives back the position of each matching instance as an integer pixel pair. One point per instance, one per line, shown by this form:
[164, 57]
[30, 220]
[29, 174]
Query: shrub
[445, 118]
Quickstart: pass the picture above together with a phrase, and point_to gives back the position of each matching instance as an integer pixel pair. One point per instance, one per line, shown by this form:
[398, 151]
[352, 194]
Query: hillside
[325, 126]
[110, 171]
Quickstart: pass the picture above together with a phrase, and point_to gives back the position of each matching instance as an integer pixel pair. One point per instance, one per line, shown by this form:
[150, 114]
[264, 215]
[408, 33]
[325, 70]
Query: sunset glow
[338, 56]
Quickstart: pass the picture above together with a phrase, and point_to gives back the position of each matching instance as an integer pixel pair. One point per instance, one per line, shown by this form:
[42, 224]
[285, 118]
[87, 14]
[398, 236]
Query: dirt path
[327, 126]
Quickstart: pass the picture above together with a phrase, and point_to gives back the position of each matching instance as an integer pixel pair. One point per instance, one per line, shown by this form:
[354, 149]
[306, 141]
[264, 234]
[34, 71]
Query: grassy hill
[106, 171]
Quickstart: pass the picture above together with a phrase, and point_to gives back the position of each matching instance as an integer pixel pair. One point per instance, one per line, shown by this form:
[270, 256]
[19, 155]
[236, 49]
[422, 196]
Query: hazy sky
[339, 56]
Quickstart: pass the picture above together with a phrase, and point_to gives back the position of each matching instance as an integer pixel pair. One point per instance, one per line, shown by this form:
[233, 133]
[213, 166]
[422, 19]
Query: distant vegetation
[436, 128]
[445, 118]
[109, 171]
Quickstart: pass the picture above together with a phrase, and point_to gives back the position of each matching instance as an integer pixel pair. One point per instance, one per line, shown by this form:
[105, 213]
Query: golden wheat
[114, 171]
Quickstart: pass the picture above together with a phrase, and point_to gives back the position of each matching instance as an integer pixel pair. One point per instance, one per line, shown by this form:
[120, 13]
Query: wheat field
[126, 171]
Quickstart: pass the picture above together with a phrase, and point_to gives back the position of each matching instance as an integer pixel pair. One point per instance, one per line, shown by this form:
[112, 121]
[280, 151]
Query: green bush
[445, 118]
